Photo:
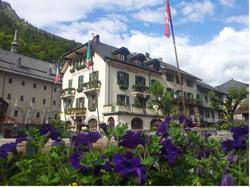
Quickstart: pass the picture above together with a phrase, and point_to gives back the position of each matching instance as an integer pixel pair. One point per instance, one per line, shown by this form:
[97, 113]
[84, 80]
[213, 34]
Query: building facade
[116, 88]
[27, 85]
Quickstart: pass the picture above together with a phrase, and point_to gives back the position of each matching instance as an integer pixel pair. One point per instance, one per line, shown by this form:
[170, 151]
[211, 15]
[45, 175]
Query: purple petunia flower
[227, 145]
[162, 129]
[49, 131]
[21, 139]
[239, 135]
[131, 139]
[85, 139]
[227, 180]
[8, 147]
[205, 134]
[169, 152]
[187, 122]
[232, 158]
[128, 165]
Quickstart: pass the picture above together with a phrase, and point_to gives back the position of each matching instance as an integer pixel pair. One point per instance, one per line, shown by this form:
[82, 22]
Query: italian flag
[88, 56]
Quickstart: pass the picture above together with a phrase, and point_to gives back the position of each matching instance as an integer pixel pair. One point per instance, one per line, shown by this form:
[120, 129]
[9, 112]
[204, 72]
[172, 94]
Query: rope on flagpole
[176, 57]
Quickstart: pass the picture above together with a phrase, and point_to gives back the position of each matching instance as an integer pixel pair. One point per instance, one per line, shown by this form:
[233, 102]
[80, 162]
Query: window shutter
[127, 100]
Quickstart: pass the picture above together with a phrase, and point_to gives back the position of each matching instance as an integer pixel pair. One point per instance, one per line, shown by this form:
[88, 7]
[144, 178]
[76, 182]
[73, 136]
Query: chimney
[160, 59]
[147, 55]
[14, 44]
[96, 39]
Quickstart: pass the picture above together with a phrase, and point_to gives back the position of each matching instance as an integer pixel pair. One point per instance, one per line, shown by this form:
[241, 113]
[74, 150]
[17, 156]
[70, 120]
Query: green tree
[234, 98]
[163, 99]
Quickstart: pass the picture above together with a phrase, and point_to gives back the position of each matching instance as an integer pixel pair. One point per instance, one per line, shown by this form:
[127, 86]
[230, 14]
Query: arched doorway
[155, 123]
[92, 123]
[136, 123]
[111, 122]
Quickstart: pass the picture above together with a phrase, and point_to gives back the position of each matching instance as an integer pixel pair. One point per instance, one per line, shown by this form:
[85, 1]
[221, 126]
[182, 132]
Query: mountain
[32, 41]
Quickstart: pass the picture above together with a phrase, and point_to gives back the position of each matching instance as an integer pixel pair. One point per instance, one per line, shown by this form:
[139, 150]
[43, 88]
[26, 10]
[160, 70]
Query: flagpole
[176, 58]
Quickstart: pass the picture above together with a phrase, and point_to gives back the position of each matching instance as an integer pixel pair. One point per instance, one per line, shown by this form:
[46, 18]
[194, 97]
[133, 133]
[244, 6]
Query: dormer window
[123, 57]
[138, 59]
[121, 53]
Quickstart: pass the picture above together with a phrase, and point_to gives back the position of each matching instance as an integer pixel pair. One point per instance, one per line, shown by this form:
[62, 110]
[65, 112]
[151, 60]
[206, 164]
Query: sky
[211, 35]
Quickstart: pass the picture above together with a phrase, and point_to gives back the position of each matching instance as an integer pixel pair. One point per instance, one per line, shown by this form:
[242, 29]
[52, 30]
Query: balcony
[68, 92]
[76, 111]
[188, 101]
[141, 91]
[129, 109]
[91, 87]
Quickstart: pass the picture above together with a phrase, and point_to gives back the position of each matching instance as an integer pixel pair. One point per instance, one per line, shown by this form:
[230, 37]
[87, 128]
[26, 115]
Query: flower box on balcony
[80, 67]
[123, 87]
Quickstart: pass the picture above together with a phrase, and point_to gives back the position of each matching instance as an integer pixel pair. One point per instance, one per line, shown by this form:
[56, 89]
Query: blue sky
[211, 35]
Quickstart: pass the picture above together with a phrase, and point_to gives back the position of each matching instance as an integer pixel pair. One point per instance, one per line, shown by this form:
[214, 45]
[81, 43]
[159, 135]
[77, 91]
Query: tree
[234, 98]
[161, 98]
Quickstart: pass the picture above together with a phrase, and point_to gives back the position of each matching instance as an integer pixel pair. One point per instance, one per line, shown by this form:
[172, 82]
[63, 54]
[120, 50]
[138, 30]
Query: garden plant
[173, 155]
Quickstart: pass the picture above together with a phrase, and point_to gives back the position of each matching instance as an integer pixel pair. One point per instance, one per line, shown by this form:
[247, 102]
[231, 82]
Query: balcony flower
[132, 139]
[128, 165]
[162, 129]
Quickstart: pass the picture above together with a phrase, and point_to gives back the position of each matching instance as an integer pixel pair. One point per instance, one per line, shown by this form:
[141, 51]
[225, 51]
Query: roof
[243, 109]
[230, 84]
[209, 87]
[173, 68]
[26, 66]
[107, 51]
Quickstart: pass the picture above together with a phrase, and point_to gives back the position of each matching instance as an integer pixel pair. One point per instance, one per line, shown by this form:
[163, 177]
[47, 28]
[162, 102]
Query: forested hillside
[32, 41]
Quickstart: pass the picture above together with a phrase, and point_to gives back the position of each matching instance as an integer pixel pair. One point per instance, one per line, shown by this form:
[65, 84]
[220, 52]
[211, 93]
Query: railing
[188, 101]
[140, 88]
[68, 92]
[76, 111]
[130, 109]
[91, 85]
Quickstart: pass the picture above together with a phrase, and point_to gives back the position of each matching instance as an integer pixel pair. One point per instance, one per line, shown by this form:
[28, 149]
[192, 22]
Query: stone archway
[92, 124]
[136, 124]
[111, 122]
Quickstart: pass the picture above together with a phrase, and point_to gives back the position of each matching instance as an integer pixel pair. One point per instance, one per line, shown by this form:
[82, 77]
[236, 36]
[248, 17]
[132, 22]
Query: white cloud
[153, 15]
[195, 11]
[46, 12]
[228, 3]
[238, 19]
[150, 15]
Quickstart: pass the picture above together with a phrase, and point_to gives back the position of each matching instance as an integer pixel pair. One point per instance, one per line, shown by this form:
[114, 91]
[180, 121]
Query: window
[140, 81]
[33, 100]
[45, 87]
[207, 114]
[70, 83]
[23, 83]
[80, 102]
[177, 79]
[122, 100]
[55, 89]
[190, 95]
[123, 57]
[21, 98]
[136, 123]
[92, 102]
[206, 98]
[10, 80]
[37, 114]
[44, 101]
[54, 102]
[152, 81]
[80, 81]
[9, 96]
[93, 76]
[170, 90]
[123, 79]
[169, 77]
[55, 116]
[189, 83]
[34, 85]
[16, 113]
[212, 114]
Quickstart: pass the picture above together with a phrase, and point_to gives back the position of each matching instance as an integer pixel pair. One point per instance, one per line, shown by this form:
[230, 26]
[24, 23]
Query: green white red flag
[88, 56]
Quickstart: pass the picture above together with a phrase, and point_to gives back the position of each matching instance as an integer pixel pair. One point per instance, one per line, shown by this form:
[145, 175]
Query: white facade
[110, 110]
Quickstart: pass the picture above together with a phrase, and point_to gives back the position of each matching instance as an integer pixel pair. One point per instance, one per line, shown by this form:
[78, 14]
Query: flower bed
[174, 155]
